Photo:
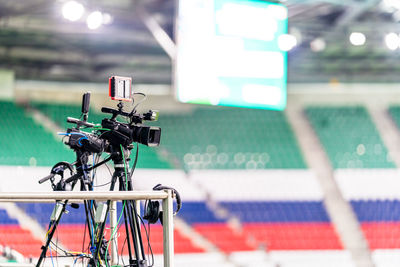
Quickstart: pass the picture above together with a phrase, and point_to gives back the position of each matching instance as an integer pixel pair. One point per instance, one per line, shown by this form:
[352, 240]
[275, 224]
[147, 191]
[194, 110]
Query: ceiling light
[317, 45]
[286, 42]
[107, 19]
[357, 38]
[94, 20]
[277, 11]
[392, 41]
[72, 10]
[392, 3]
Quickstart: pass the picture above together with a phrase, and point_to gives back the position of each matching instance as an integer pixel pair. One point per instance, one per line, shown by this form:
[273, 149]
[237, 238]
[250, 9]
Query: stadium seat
[24, 142]
[349, 137]
[294, 236]
[224, 237]
[13, 236]
[227, 138]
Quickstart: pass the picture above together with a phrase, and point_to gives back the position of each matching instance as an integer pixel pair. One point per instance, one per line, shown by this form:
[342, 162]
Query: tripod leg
[89, 205]
[89, 219]
[135, 229]
[50, 235]
[134, 226]
[134, 215]
[99, 235]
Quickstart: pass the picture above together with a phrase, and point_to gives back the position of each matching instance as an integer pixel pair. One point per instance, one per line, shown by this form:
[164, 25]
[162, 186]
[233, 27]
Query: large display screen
[228, 53]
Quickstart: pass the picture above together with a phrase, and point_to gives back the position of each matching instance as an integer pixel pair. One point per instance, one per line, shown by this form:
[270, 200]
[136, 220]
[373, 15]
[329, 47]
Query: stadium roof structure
[38, 43]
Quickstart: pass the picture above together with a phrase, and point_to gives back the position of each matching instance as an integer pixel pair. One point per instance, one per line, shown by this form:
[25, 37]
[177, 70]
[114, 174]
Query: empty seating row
[24, 142]
[17, 238]
[349, 137]
[294, 236]
[228, 138]
[225, 238]
[377, 210]
[278, 211]
[375, 200]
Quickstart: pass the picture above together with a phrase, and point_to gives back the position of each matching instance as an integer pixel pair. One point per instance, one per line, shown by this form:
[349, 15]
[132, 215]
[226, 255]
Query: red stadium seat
[294, 236]
[382, 235]
[224, 237]
[20, 240]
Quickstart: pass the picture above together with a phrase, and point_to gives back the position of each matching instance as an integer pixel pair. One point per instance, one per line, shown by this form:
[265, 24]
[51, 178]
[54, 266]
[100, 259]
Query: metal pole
[157, 31]
[166, 196]
[137, 204]
[83, 195]
[168, 230]
[113, 225]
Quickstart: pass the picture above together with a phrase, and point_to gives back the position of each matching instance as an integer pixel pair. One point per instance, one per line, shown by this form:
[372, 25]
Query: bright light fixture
[392, 3]
[286, 42]
[107, 19]
[317, 44]
[72, 10]
[357, 38]
[392, 41]
[94, 20]
[278, 11]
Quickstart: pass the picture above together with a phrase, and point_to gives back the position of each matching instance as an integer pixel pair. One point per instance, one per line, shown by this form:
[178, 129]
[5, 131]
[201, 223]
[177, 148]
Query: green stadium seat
[230, 138]
[349, 137]
[24, 142]
[394, 111]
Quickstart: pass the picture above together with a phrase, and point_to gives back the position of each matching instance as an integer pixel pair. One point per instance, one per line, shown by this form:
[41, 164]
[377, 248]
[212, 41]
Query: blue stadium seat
[278, 211]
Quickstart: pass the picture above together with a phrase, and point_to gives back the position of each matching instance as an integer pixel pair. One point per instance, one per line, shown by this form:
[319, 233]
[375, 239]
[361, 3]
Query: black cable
[57, 246]
[149, 244]
[122, 251]
[96, 160]
[84, 236]
[98, 164]
[141, 101]
[148, 241]
[108, 168]
[136, 159]
[102, 184]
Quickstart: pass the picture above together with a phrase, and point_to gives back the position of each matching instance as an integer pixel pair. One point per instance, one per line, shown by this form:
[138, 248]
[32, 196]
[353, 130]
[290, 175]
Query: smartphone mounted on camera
[120, 88]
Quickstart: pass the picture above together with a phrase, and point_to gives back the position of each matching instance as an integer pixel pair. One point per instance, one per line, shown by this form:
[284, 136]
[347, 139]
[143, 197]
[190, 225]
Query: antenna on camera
[85, 112]
[85, 105]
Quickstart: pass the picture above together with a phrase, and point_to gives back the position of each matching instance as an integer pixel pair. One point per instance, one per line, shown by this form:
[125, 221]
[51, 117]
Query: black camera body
[79, 140]
[124, 134]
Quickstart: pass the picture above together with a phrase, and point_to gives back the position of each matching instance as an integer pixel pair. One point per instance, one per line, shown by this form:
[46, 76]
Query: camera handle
[151, 115]
[115, 112]
[79, 123]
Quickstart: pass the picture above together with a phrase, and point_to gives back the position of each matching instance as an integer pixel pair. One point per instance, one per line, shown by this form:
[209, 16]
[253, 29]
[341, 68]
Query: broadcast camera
[115, 138]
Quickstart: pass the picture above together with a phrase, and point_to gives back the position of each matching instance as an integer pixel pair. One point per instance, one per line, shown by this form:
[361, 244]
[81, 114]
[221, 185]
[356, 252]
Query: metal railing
[167, 204]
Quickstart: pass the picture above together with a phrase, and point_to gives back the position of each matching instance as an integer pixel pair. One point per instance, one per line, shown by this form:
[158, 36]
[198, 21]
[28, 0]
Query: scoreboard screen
[228, 53]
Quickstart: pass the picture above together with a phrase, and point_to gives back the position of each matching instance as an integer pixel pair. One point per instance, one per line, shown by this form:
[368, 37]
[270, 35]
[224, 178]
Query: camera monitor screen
[229, 53]
[120, 88]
